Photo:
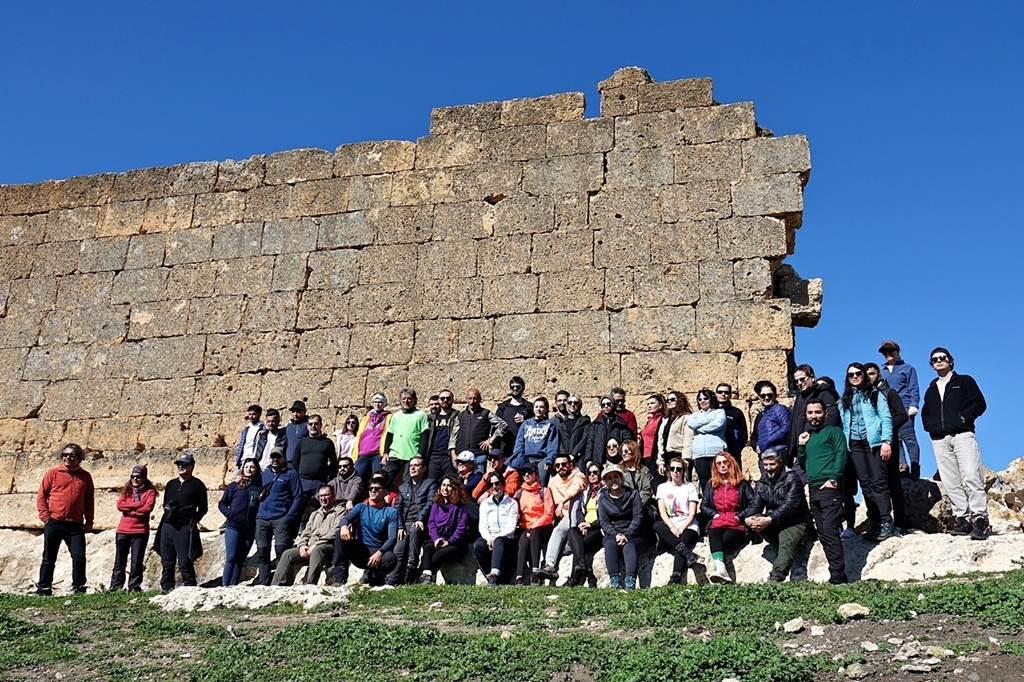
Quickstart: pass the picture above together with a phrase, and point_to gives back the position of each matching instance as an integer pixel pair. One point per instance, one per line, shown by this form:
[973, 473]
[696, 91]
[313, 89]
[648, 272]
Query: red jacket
[66, 495]
[536, 509]
[135, 514]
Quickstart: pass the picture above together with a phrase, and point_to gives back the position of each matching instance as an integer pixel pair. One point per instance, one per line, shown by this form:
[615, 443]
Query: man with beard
[809, 389]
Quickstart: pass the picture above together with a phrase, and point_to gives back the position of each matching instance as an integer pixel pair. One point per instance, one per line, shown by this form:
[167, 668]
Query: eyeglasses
[676, 469]
[611, 445]
[277, 456]
[767, 396]
[703, 399]
[855, 373]
[802, 380]
[65, 455]
[939, 358]
[344, 466]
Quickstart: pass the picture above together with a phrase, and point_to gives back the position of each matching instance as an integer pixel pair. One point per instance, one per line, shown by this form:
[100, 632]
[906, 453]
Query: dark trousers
[627, 552]
[277, 531]
[237, 544]
[899, 506]
[175, 543]
[396, 471]
[434, 558]
[502, 559]
[365, 466]
[726, 540]
[874, 480]
[439, 466]
[849, 493]
[703, 467]
[407, 552]
[581, 545]
[787, 541]
[348, 552]
[124, 545]
[531, 542]
[670, 540]
[73, 535]
[827, 511]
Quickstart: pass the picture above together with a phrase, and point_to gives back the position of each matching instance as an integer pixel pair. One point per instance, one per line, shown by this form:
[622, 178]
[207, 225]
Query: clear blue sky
[913, 110]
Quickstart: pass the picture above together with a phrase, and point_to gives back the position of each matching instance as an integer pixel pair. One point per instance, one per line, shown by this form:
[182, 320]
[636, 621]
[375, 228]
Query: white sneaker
[719, 574]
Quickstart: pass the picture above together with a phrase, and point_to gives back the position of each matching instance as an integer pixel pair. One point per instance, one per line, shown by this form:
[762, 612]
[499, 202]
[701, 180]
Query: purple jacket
[448, 521]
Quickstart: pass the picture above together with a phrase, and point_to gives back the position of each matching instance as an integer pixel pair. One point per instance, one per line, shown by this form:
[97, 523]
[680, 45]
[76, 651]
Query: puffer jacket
[572, 436]
[782, 500]
[709, 432]
[536, 506]
[877, 419]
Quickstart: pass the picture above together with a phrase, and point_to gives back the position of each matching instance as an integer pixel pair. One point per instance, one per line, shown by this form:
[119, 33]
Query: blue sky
[913, 111]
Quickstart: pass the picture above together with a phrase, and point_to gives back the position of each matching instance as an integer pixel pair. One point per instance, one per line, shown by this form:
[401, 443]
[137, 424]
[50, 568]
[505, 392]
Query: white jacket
[498, 519]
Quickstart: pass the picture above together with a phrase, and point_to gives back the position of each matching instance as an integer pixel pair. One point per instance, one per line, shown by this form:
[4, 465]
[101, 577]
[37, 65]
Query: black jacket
[707, 502]
[736, 435]
[424, 498]
[799, 414]
[572, 436]
[782, 500]
[957, 411]
[896, 411]
[601, 430]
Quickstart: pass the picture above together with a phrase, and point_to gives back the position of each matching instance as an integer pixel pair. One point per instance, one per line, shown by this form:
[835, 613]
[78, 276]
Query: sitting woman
[239, 504]
[536, 520]
[726, 499]
[620, 512]
[677, 526]
[448, 527]
[584, 530]
[636, 474]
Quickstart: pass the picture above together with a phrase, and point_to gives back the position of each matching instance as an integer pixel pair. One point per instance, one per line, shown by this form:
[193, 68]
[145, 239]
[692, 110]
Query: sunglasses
[767, 396]
[939, 358]
[857, 373]
[561, 465]
[594, 472]
[723, 392]
[138, 478]
[575, 402]
[722, 462]
[351, 421]
[670, 400]
[606, 404]
[515, 386]
[375, 488]
[676, 469]
[496, 484]
[182, 465]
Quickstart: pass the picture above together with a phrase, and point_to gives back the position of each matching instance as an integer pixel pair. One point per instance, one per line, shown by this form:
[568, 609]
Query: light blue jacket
[877, 420]
[709, 432]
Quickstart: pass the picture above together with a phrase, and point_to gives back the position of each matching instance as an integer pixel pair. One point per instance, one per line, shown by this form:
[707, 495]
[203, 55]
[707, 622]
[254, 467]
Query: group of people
[401, 493]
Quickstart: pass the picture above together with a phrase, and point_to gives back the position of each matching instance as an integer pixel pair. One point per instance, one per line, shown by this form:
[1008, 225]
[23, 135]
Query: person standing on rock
[736, 432]
[185, 504]
[250, 435]
[807, 389]
[280, 508]
[315, 461]
[270, 437]
[408, 435]
[618, 395]
[899, 420]
[822, 454]
[902, 378]
[476, 429]
[952, 403]
[779, 513]
[136, 503]
[441, 461]
[514, 410]
[66, 506]
[296, 429]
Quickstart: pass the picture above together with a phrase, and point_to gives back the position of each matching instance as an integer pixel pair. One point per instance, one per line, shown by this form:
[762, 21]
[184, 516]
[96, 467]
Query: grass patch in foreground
[26, 644]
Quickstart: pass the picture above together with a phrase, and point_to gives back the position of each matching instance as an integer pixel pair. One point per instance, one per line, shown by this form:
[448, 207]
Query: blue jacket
[239, 506]
[877, 418]
[535, 441]
[376, 527]
[773, 428]
[285, 496]
[241, 441]
[709, 432]
[903, 378]
[294, 433]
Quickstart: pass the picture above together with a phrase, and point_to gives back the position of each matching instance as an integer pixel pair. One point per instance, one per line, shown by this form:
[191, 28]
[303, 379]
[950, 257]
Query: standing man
[270, 437]
[822, 454]
[606, 426]
[66, 506]
[952, 403]
[809, 389]
[736, 434]
[250, 435]
[442, 460]
[316, 460]
[475, 429]
[772, 424]
[902, 378]
[279, 512]
[561, 411]
[408, 435]
[296, 429]
[185, 504]
[618, 395]
[513, 411]
[415, 496]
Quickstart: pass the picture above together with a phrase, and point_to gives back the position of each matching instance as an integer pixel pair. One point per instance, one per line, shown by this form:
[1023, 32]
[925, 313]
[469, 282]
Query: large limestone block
[114, 434]
[223, 313]
[267, 351]
[510, 294]
[756, 365]
[524, 215]
[336, 269]
[140, 183]
[717, 123]
[459, 148]
[667, 285]
[143, 286]
[474, 220]
[348, 388]
[564, 174]
[537, 335]
[565, 106]
[696, 201]
[188, 246]
[662, 129]
[18, 230]
[619, 92]
[345, 230]
[744, 325]
[770, 155]
[390, 263]
[489, 182]
[298, 165]
[374, 303]
[629, 208]
[369, 191]
[704, 162]
[83, 190]
[290, 235]
[168, 432]
[145, 251]
[753, 278]
[241, 175]
[514, 143]
[269, 203]
[192, 178]
[648, 167]
[78, 291]
[98, 324]
[23, 330]
[9, 460]
[74, 399]
[123, 218]
[230, 393]
[780, 194]
[71, 224]
[240, 240]
[482, 116]
[580, 137]
[562, 251]
[651, 372]
[505, 255]
[322, 348]
[312, 386]
[649, 329]
[168, 213]
[759, 237]
[585, 376]
[442, 260]
[589, 332]
[419, 187]
[319, 197]
[372, 158]
[716, 282]
[382, 344]
[674, 95]
[159, 396]
[36, 293]
[22, 399]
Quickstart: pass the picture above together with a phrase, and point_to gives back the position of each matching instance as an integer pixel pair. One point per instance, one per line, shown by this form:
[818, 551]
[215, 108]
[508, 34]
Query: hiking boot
[630, 582]
[366, 577]
[963, 527]
[614, 582]
[44, 592]
[873, 532]
[426, 579]
[776, 578]
[980, 529]
[519, 581]
[719, 574]
[492, 579]
[884, 532]
[915, 471]
[676, 578]
[548, 572]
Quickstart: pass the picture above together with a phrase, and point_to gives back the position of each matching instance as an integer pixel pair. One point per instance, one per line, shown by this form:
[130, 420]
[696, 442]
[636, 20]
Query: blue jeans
[280, 532]
[908, 439]
[237, 544]
[365, 466]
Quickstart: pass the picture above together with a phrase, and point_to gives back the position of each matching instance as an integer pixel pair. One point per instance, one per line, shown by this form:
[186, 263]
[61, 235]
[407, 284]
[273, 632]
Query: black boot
[915, 470]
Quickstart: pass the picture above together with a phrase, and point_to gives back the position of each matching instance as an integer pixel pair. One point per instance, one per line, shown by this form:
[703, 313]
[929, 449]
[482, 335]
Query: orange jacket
[536, 506]
[66, 495]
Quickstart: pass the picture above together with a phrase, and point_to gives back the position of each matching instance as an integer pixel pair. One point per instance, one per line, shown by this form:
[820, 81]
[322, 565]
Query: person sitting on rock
[367, 538]
[620, 513]
[779, 512]
[315, 545]
[677, 526]
[499, 517]
[724, 503]
[448, 527]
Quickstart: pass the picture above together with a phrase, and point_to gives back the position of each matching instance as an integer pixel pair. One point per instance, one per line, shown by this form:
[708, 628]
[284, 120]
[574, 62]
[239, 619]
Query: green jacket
[824, 456]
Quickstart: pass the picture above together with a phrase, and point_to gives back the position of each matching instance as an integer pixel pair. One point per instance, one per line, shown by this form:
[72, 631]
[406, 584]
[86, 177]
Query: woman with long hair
[634, 473]
[536, 521]
[136, 502]
[620, 512]
[239, 504]
[677, 524]
[677, 437]
[346, 436]
[652, 447]
[448, 526]
[585, 530]
[726, 500]
[708, 424]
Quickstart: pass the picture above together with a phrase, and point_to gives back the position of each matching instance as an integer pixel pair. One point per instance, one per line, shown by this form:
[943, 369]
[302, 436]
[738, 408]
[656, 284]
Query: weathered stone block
[565, 106]
[685, 241]
[157, 319]
[240, 175]
[744, 325]
[464, 299]
[756, 365]
[505, 255]
[54, 362]
[337, 269]
[298, 165]
[770, 195]
[619, 291]
[626, 76]
[369, 191]
[436, 341]
[666, 284]
[460, 148]
[12, 435]
[169, 213]
[71, 224]
[205, 430]
[22, 230]
[386, 380]
[327, 308]
[642, 329]
[237, 241]
[20, 330]
[440, 261]
[16, 261]
[145, 251]
[482, 116]
[688, 92]
[713, 124]
[271, 312]
[22, 399]
[188, 246]
[569, 290]
[580, 137]
[290, 272]
[619, 101]
[192, 178]
[381, 344]
[121, 219]
[310, 385]
[267, 351]
[76, 291]
[44, 435]
[584, 376]
[372, 158]
[413, 188]
[514, 143]
[474, 339]
[624, 208]
[562, 250]
[318, 197]
[716, 283]
[345, 229]
[161, 396]
[141, 183]
[98, 255]
[221, 355]
[770, 155]
[589, 333]
[74, 399]
[165, 358]
[83, 190]
[491, 182]
[685, 371]
[622, 246]
[522, 216]
[269, 203]
[217, 315]
[221, 208]
[463, 221]
[98, 323]
[753, 278]
[348, 389]
[323, 348]
[36, 293]
[510, 294]
[168, 433]
[662, 129]
[390, 263]
[241, 276]
[231, 393]
[696, 201]
[537, 335]
[718, 161]
[564, 174]
[290, 235]
[640, 168]
[187, 281]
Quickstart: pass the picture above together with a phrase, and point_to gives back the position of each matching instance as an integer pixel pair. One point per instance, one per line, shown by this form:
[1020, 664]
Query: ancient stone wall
[143, 311]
